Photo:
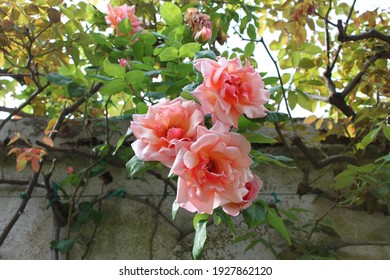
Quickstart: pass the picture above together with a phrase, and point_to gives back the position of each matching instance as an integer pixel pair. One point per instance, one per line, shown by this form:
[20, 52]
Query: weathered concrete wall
[131, 229]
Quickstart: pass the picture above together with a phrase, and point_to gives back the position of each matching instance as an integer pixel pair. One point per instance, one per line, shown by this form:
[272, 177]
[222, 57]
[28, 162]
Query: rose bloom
[162, 126]
[123, 62]
[204, 34]
[253, 187]
[117, 14]
[230, 90]
[213, 170]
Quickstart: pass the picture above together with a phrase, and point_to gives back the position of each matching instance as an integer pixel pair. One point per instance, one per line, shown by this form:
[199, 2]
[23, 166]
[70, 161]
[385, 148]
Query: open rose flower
[253, 187]
[163, 125]
[230, 90]
[213, 170]
[116, 14]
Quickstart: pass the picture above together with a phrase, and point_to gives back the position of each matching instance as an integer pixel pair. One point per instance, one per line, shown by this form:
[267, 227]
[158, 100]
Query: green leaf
[63, 246]
[295, 58]
[135, 166]
[275, 117]
[205, 54]
[306, 63]
[58, 79]
[169, 53]
[267, 158]
[386, 132]
[200, 217]
[258, 138]
[175, 208]
[76, 90]
[124, 26]
[344, 179]
[277, 223]
[226, 219]
[121, 140]
[189, 50]
[312, 49]
[270, 80]
[274, 89]
[251, 31]
[368, 139]
[171, 14]
[112, 87]
[200, 239]
[254, 215]
[135, 77]
[249, 49]
[113, 70]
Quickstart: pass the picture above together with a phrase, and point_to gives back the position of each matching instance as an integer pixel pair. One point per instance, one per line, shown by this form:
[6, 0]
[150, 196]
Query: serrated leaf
[135, 77]
[124, 26]
[249, 49]
[254, 215]
[200, 239]
[111, 87]
[258, 138]
[58, 79]
[169, 53]
[171, 14]
[113, 70]
[175, 208]
[189, 50]
[278, 224]
[136, 166]
[251, 31]
[205, 54]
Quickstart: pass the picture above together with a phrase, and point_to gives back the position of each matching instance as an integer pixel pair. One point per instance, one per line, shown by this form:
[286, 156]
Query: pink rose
[117, 14]
[204, 34]
[213, 170]
[253, 187]
[123, 62]
[230, 90]
[163, 125]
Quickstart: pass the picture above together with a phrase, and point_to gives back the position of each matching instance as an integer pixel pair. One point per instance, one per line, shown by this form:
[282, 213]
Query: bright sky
[261, 55]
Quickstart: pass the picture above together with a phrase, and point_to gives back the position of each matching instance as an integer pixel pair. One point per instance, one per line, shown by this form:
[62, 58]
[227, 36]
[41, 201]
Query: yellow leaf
[2, 61]
[319, 123]
[310, 119]
[262, 25]
[351, 130]
[14, 139]
[329, 124]
[50, 126]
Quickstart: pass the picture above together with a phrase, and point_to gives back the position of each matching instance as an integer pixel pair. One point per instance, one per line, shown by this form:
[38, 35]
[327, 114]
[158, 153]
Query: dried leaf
[14, 139]
[48, 141]
[54, 15]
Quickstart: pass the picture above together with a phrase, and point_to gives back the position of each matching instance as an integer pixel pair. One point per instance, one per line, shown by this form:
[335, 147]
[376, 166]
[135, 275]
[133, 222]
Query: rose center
[175, 133]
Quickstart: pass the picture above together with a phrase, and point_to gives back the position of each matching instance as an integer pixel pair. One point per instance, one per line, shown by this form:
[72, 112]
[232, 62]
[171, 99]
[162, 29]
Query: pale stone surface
[127, 225]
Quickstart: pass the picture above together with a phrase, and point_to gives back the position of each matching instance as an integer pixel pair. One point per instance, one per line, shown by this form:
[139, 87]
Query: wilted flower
[199, 23]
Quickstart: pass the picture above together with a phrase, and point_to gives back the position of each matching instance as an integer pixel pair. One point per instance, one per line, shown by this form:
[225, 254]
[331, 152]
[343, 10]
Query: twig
[319, 220]
[11, 110]
[372, 33]
[358, 243]
[325, 162]
[27, 102]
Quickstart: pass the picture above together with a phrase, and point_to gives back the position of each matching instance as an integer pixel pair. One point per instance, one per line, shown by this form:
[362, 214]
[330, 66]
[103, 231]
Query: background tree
[64, 60]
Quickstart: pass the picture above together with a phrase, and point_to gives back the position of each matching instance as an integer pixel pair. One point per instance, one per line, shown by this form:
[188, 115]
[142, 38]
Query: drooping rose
[116, 14]
[253, 187]
[199, 23]
[162, 126]
[230, 90]
[213, 170]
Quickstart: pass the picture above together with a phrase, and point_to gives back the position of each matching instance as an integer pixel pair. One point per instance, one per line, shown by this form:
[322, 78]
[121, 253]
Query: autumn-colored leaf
[54, 15]
[48, 141]
[310, 119]
[14, 139]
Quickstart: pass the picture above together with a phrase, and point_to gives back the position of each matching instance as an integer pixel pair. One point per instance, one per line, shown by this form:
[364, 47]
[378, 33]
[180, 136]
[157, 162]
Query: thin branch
[325, 162]
[349, 15]
[372, 33]
[19, 182]
[351, 85]
[27, 102]
[70, 151]
[358, 243]
[320, 219]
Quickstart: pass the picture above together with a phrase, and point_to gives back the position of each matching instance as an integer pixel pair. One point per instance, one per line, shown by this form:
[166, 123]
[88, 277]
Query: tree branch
[11, 110]
[325, 162]
[27, 102]
[372, 33]
[19, 182]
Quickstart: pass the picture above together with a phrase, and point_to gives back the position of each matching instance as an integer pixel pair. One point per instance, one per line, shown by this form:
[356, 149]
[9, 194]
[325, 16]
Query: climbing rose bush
[165, 123]
[213, 170]
[199, 23]
[116, 14]
[230, 90]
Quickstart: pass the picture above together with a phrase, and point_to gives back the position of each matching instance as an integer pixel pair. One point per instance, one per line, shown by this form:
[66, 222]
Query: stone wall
[132, 228]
